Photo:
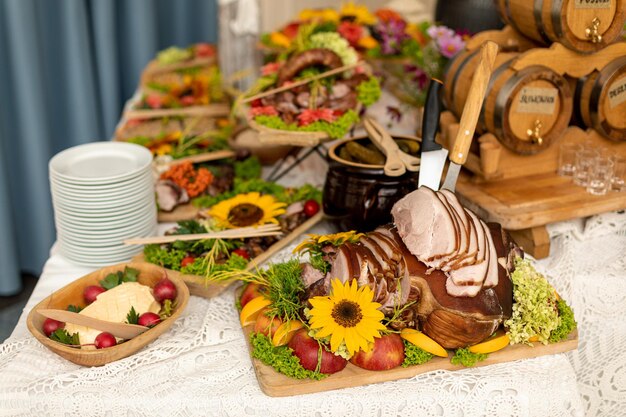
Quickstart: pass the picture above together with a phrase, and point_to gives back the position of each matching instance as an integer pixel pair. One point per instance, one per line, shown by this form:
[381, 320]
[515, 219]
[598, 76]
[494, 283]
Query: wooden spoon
[394, 167]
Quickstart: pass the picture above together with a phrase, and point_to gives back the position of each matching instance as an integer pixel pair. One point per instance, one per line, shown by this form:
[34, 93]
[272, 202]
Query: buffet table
[201, 366]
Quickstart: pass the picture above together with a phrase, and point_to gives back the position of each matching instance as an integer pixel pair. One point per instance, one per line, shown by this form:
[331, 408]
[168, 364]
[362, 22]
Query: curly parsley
[466, 358]
[414, 355]
[567, 324]
[281, 358]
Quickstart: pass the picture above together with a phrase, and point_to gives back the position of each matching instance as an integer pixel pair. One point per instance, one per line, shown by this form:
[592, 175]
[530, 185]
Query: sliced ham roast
[443, 235]
[454, 269]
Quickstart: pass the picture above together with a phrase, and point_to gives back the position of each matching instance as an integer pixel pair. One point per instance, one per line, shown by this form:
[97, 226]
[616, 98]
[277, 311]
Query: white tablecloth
[202, 367]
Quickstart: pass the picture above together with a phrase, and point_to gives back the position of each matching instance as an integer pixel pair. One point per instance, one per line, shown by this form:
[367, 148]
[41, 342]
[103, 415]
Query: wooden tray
[72, 293]
[275, 384]
[198, 286]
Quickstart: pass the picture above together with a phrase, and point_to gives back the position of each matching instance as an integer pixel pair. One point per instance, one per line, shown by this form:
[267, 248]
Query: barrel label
[617, 92]
[537, 100]
[592, 4]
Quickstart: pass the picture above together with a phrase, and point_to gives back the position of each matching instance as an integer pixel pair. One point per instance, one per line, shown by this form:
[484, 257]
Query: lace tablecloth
[202, 367]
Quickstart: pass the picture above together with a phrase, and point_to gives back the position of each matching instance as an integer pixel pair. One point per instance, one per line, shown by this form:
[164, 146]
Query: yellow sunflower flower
[246, 210]
[347, 316]
[360, 13]
[324, 15]
[336, 239]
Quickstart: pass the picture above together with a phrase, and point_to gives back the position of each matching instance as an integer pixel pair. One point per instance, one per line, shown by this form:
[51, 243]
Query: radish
[50, 326]
[91, 293]
[164, 290]
[149, 319]
[104, 340]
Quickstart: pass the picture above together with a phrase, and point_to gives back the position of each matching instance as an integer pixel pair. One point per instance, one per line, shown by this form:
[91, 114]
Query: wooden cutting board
[275, 384]
[200, 287]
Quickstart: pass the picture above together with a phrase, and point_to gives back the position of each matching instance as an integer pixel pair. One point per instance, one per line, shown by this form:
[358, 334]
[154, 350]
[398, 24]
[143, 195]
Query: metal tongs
[398, 162]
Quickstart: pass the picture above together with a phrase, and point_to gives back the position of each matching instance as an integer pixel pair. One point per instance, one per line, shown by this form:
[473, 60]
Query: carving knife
[433, 156]
[471, 111]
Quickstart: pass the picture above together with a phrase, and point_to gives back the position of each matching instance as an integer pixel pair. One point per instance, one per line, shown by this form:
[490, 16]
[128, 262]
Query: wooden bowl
[73, 294]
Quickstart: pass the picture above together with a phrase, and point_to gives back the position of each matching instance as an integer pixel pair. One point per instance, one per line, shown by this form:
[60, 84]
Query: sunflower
[245, 210]
[359, 13]
[348, 315]
[315, 242]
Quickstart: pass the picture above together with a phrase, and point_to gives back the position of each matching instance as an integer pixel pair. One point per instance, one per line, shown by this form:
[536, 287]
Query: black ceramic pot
[472, 15]
[359, 196]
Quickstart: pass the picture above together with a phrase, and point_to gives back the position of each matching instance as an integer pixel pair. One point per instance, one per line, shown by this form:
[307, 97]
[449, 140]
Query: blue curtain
[66, 68]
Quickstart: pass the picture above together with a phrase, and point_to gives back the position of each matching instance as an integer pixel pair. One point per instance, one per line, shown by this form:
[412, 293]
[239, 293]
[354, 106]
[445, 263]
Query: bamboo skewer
[239, 233]
[212, 109]
[204, 157]
[301, 82]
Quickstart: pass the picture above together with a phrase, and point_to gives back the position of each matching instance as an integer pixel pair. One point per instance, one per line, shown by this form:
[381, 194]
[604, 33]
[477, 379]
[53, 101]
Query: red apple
[267, 325]
[307, 349]
[387, 353]
[251, 291]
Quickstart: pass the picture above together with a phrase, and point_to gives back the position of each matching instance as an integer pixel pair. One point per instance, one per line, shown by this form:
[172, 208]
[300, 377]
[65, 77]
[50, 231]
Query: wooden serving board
[198, 286]
[275, 384]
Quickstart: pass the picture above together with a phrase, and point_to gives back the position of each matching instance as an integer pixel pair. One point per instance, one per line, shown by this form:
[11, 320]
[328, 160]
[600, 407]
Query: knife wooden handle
[475, 98]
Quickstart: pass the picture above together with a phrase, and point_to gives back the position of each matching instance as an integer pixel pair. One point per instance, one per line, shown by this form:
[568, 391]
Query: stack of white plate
[102, 193]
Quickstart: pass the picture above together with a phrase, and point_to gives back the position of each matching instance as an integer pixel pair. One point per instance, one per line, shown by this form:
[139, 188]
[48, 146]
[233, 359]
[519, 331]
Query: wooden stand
[525, 193]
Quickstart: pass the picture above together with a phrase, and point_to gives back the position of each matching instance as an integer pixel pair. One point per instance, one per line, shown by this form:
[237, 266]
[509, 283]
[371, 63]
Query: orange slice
[499, 341]
[285, 332]
[252, 309]
[424, 342]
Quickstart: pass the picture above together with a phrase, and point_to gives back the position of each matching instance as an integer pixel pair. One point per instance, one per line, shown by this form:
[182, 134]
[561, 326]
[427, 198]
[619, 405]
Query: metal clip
[535, 134]
[592, 31]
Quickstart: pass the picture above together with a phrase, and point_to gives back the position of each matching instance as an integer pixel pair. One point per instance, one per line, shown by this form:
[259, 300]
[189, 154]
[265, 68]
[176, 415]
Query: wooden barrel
[526, 109]
[582, 25]
[601, 100]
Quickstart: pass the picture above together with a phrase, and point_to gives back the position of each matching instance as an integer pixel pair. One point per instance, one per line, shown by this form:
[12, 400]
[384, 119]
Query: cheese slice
[113, 305]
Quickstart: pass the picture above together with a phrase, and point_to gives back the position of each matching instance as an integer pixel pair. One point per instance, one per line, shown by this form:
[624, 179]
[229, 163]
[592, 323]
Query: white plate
[102, 252]
[141, 178]
[104, 212]
[112, 203]
[113, 229]
[83, 214]
[86, 225]
[96, 261]
[93, 193]
[100, 162]
[128, 231]
[78, 242]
